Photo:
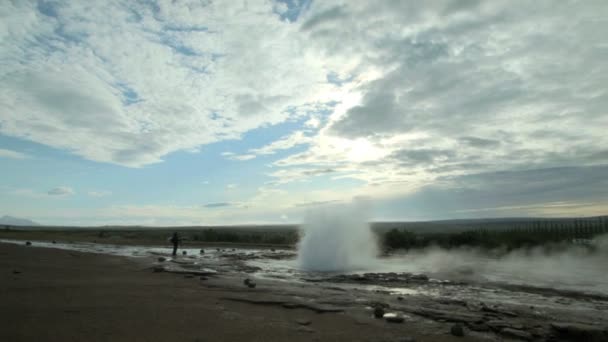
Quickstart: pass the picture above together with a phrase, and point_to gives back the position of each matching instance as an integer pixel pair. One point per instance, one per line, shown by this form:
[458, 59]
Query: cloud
[232, 186]
[285, 143]
[12, 154]
[217, 205]
[442, 91]
[199, 74]
[101, 193]
[61, 191]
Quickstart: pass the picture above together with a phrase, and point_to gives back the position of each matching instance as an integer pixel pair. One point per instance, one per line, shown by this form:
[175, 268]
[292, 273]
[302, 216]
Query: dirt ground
[59, 295]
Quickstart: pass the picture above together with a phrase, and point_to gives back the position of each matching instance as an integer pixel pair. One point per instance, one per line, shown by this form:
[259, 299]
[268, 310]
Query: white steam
[338, 238]
[575, 267]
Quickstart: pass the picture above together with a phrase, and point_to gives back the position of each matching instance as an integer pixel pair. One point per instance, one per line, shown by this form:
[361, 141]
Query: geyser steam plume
[337, 238]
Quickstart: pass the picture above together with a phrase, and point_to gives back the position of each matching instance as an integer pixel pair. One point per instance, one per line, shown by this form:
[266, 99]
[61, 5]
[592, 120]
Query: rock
[378, 312]
[202, 251]
[158, 269]
[188, 276]
[400, 298]
[305, 329]
[16, 272]
[27, 243]
[419, 277]
[303, 321]
[457, 330]
[249, 283]
[162, 259]
[514, 333]
[477, 326]
[272, 249]
[203, 278]
[580, 332]
[394, 318]
[184, 253]
[54, 241]
[498, 325]
[498, 311]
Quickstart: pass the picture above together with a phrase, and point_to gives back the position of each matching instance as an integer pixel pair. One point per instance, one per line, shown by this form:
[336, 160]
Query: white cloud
[12, 154]
[99, 193]
[447, 89]
[285, 143]
[61, 191]
[142, 82]
[232, 186]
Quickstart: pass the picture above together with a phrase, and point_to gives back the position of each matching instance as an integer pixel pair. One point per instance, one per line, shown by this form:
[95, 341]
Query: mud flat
[63, 294]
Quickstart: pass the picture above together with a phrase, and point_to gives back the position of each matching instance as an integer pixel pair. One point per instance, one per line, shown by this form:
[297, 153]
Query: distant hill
[16, 221]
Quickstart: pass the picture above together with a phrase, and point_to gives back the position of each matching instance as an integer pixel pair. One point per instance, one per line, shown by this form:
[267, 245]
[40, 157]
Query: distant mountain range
[16, 221]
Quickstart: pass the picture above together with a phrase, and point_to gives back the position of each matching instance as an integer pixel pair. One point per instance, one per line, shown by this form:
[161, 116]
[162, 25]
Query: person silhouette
[175, 241]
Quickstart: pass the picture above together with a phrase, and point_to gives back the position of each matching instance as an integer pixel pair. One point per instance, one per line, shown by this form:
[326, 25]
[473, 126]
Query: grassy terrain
[484, 233]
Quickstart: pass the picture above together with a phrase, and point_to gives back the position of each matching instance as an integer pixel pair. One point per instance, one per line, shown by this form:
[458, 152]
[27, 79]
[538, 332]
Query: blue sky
[228, 112]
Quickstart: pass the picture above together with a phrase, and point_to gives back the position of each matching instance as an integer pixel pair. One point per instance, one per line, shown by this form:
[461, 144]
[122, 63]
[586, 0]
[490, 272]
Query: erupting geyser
[337, 238]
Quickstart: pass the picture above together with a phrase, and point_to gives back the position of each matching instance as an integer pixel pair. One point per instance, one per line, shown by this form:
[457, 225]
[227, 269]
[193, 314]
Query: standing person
[174, 240]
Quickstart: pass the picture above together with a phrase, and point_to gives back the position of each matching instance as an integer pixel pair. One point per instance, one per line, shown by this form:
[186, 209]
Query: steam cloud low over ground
[339, 239]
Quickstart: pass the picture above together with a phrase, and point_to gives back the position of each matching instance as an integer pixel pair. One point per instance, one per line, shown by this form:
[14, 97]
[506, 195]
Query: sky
[227, 112]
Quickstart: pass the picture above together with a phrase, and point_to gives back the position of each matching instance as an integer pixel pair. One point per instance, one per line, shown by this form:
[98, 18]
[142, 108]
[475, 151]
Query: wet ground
[487, 298]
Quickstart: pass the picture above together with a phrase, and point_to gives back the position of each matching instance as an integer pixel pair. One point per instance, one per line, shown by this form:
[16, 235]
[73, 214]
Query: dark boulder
[580, 332]
[27, 243]
[378, 312]
[394, 318]
[457, 330]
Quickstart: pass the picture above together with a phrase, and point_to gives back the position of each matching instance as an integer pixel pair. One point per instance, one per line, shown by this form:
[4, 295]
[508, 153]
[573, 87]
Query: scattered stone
[272, 249]
[378, 312]
[203, 278]
[498, 311]
[162, 259]
[498, 325]
[159, 268]
[27, 243]
[303, 321]
[249, 283]
[400, 298]
[54, 241]
[202, 251]
[16, 272]
[580, 332]
[419, 278]
[184, 253]
[393, 318]
[305, 329]
[188, 276]
[457, 330]
[478, 326]
[515, 333]
[234, 250]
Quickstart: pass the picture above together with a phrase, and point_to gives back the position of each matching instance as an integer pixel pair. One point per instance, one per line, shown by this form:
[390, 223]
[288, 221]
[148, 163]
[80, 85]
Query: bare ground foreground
[59, 295]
